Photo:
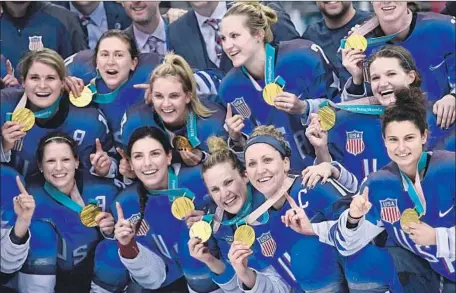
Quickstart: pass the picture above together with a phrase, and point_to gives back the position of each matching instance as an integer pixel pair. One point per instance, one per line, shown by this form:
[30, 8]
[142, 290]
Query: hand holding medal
[422, 234]
[89, 213]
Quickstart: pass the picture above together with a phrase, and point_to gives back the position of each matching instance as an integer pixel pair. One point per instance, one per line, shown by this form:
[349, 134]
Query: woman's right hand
[124, 231]
[199, 251]
[360, 204]
[317, 136]
[74, 85]
[11, 132]
[234, 124]
[193, 217]
[238, 256]
[352, 60]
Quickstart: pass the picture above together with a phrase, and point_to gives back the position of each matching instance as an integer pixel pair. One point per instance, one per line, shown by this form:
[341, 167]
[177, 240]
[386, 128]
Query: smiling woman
[45, 106]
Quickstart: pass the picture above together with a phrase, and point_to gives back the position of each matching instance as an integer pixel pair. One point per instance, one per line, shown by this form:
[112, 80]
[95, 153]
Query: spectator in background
[450, 8]
[338, 19]
[148, 28]
[96, 17]
[195, 36]
[28, 26]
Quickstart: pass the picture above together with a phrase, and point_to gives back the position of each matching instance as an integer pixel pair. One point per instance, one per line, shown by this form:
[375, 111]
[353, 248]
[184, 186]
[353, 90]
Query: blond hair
[46, 56]
[258, 17]
[175, 65]
[220, 153]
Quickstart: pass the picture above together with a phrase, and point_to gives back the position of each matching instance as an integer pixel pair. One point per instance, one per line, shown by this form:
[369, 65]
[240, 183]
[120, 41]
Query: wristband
[354, 218]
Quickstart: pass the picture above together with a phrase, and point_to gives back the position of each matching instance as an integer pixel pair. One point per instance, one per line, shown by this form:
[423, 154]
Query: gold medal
[181, 207]
[88, 214]
[327, 117]
[409, 216]
[245, 234]
[356, 42]
[202, 230]
[270, 91]
[181, 143]
[24, 117]
[84, 99]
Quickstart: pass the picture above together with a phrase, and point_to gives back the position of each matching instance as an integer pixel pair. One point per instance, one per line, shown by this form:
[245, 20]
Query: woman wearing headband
[271, 83]
[313, 264]
[151, 234]
[41, 107]
[417, 212]
[236, 266]
[177, 109]
[71, 215]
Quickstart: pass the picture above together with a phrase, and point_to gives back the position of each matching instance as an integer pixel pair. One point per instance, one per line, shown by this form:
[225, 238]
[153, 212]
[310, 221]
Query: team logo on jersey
[267, 243]
[143, 228]
[355, 143]
[389, 210]
[35, 43]
[241, 106]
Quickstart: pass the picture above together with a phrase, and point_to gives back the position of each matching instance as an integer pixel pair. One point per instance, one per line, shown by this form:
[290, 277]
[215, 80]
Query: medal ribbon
[173, 191]
[415, 191]
[104, 98]
[64, 199]
[192, 131]
[360, 109]
[43, 113]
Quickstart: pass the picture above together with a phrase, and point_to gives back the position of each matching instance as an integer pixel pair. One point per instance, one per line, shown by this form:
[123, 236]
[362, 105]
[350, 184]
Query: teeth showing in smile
[111, 71]
[149, 172]
[388, 8]
[42, 95]
[230, 201]
[167, 111]
[386, 92]
[403, 155]
[264, 179]
[59, 175]
[138, 8]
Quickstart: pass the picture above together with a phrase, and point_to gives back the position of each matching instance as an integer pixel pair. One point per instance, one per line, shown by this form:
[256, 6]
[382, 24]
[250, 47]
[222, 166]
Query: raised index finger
[120, 215]
[21, 186]
[366, 193]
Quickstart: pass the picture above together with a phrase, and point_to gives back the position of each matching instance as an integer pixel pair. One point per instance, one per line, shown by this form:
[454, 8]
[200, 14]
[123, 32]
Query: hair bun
[410, 97]
[217, 144]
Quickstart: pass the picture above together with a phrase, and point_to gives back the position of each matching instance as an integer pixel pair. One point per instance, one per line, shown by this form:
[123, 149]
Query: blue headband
[270, 140]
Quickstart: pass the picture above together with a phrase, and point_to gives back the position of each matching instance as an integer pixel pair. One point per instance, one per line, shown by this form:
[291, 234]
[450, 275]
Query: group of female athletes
[286, 185]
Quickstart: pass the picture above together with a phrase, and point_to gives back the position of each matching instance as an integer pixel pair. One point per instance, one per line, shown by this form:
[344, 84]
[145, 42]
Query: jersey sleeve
[12, 255]
[446, 243]
[147, 268]
[267, 281]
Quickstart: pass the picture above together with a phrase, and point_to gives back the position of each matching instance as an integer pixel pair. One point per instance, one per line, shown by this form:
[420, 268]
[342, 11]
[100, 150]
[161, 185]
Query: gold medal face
[88, 214]
[181, 207]
[270, 91]
[84, 99]
[356, 42]
[181, 143]
[202, 230]
[24, 117]
[327, 118]
[409, 216]
[245, 234]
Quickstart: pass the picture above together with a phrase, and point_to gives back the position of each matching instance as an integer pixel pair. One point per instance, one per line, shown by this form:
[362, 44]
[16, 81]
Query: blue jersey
[435, 64]
[47, 25]
[83, 124]
[329, 40]
[66, 249]
[356, 142]
[81, 65]
[324, 202]
[387, 208]
[159, 230]
[8, 187]
[302, 65]
[144, 115]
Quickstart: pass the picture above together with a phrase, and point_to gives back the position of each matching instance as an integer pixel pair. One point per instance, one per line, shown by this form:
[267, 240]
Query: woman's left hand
[290, 103]
[191, 158]
[106, 223]
[74, 85]
[312, 174]
[422, 234]
[100, 160]
[445, 110]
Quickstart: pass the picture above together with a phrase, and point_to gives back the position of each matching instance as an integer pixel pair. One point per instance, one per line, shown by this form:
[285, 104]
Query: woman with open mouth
[43, 106]
[177, 109]
[272, 84]
[150, 231]
[355, 141]
[71, 217]
[400, 26]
